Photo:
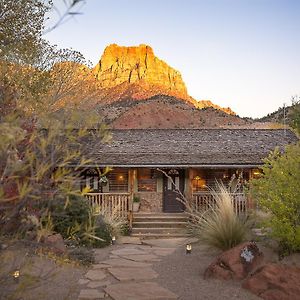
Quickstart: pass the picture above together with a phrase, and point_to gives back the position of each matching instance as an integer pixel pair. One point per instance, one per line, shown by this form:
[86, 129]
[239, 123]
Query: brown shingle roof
[189, 147]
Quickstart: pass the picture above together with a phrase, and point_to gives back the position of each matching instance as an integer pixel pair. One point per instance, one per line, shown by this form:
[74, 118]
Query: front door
[174, 182]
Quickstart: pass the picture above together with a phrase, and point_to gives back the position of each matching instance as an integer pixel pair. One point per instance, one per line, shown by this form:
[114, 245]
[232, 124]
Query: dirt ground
[47, 277]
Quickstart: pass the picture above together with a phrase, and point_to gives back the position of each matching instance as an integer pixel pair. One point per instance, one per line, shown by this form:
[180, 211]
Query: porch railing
[118, 203]
[202, 201]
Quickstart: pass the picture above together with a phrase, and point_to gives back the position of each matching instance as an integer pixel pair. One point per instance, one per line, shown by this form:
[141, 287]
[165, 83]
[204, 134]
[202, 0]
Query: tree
[38, 138]
[278, 192]
[295, 114]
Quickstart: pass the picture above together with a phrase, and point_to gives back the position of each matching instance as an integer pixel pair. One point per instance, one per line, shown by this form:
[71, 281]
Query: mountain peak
[120, 64]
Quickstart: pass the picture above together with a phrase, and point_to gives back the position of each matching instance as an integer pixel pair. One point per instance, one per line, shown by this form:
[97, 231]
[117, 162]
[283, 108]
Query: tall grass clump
[219, 227]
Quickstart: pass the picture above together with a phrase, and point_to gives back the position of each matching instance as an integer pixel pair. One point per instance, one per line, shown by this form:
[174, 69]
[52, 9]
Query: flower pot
[135, 206]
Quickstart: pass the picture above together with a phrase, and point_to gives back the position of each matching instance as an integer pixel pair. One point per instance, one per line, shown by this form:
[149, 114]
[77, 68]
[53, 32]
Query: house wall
[151, 201]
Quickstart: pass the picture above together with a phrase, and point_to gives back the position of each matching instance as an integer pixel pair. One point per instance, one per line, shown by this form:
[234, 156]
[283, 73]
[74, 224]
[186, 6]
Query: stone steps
[159, 225]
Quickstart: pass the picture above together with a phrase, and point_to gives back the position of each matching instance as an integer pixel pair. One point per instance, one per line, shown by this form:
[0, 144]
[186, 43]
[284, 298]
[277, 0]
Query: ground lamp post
[188, 248]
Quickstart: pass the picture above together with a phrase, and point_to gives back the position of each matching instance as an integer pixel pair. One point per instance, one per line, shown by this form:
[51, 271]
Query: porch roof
[188, 147]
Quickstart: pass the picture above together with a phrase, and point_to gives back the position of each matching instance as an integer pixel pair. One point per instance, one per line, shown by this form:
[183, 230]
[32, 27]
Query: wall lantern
[188, 248]
[103, 180]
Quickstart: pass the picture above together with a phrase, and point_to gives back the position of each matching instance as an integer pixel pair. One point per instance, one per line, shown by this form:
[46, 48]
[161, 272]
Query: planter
[135, 206]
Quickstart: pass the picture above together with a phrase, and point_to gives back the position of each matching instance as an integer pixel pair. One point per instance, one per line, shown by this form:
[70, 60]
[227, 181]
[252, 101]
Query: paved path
[127, 273]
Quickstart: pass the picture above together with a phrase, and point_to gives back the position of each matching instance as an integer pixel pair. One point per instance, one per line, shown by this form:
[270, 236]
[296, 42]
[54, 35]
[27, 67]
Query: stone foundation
[150, 201]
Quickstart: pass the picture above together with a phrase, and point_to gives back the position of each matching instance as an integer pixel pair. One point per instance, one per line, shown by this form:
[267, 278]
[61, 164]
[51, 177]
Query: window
[146, 180]
[91, 180]
[118, 180]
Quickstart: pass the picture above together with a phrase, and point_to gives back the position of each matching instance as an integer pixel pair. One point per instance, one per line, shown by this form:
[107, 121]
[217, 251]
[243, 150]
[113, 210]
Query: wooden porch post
[132, 178]
[190, 185]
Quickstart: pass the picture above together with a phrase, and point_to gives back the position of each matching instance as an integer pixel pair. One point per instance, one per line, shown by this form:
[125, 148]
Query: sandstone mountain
[131, 88]
[136, 73]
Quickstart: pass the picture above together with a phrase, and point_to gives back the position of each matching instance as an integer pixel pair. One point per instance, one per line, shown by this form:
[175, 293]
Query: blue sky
[239, 53]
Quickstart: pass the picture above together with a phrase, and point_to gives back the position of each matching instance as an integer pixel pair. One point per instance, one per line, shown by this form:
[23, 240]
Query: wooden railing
[202, 201]
[119, 203]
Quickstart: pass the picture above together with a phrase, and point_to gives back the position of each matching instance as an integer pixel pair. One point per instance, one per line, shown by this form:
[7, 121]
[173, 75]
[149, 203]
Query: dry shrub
[220, 226]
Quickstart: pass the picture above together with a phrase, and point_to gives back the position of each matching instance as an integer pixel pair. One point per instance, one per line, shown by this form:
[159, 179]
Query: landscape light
[188, 249]
[113, 240]
[16, 275]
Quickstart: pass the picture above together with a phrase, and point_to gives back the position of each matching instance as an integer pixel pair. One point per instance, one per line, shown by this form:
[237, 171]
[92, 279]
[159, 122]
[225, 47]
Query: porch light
[121, 177]
[113, 240]
[16, 275]
[188, 248]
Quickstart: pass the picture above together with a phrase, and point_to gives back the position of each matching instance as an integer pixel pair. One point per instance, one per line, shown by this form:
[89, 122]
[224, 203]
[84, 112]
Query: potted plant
[136, 204]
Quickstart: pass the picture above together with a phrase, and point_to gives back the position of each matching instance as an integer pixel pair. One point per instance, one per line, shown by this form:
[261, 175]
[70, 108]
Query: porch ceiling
[188, 147]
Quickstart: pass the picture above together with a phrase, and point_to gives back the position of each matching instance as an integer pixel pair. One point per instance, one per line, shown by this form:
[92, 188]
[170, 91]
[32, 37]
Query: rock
[96, 284]
[135, 72]
[235, 263]
[95, 275]
[56, 243]
[90, 294]
[128, 251]
[120, 262]
[275, 282]
[142, 257]
[129, 240]
[83, 281]
[100, 266]
[124, 274]
[133, 64]
[139, 291]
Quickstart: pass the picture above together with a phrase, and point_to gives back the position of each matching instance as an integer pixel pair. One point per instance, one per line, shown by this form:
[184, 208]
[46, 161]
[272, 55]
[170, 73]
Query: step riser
[160, 224]
[158, 219]
[159, 230]
[161, 236]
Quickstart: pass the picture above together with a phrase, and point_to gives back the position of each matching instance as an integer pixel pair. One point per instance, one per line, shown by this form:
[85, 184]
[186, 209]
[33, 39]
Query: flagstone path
[127, 273]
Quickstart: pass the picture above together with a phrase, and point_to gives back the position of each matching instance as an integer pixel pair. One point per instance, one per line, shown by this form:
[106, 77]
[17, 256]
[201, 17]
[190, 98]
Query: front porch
[156, 189]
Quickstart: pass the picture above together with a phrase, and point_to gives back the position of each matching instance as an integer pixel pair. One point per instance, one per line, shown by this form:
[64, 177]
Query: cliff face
[136, 73]
[137, 64]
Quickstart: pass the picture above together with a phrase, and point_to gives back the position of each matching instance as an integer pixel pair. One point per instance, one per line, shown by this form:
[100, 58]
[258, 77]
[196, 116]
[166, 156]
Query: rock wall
[150, 201]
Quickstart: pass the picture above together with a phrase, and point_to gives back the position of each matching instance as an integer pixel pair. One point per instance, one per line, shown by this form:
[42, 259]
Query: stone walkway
[127, 273]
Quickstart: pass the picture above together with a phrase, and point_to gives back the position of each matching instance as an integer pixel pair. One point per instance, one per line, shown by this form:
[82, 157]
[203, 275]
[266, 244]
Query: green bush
[277, 191]
[220, 227]
[70, 218]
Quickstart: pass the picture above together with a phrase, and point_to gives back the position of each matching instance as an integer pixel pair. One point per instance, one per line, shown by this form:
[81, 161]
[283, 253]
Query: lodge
[151, 164]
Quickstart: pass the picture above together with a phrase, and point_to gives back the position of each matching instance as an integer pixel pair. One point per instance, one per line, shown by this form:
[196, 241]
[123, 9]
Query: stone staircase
[159, 225]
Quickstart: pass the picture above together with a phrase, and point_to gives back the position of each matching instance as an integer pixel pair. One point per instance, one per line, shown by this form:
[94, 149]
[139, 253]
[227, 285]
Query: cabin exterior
[145, 163]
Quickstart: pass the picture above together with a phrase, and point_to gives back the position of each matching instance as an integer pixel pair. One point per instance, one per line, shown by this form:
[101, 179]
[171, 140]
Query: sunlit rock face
[136, 73]
[133, 64]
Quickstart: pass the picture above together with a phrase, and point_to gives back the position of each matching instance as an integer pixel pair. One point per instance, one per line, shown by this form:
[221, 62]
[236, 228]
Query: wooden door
[170, 203]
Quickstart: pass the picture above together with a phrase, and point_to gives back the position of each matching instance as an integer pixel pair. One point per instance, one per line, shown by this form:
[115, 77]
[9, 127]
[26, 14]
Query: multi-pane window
[146, 180]
[118, 180]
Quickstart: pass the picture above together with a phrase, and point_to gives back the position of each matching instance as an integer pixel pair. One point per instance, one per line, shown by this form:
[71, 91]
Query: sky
[244, 54]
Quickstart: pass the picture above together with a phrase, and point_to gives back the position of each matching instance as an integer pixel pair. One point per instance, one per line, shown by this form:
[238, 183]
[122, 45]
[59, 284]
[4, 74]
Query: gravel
[182, 274]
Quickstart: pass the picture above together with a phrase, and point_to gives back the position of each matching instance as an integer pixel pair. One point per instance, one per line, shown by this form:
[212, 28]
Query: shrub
[278, 193]
[70, 218]
[220, 227]
[114, 221]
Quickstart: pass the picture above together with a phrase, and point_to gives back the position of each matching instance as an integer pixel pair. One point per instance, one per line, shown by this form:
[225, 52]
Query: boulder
[235, 263]
[56, 243]
[275, 282]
